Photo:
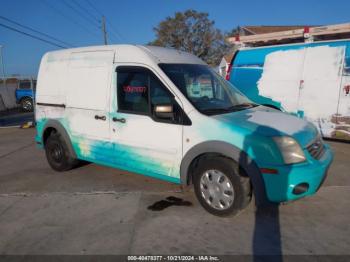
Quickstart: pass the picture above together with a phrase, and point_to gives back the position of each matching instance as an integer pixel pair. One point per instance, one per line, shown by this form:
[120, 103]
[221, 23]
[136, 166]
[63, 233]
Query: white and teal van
[168, 115]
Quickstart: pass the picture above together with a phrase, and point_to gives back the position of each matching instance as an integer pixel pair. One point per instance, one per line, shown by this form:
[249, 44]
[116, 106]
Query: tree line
[193, 32]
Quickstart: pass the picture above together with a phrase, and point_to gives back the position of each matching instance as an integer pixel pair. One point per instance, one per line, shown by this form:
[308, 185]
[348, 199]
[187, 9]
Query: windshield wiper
[244, 105]
[230, 108]
[213, 111]
[237, 107]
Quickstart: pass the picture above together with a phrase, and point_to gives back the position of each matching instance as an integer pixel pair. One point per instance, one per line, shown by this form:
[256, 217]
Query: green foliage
[193, 32]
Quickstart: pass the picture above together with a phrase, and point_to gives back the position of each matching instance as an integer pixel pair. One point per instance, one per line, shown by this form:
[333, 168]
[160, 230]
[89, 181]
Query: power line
[114, 31]
[68, 17]
[112, 38]
[77, 11]
[86, 11]
[93, 7]
[36, 31]
[32, 36]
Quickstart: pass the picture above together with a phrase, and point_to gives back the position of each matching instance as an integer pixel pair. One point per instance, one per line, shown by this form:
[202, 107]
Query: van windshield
[205, 89]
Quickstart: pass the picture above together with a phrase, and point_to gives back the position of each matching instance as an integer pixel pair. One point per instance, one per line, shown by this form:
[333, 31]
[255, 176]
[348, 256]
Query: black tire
[27, 104]
[241, 184]
[57, 153]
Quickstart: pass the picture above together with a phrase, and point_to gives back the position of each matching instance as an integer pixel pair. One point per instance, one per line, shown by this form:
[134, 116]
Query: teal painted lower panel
[126, 158]
[149, 174]
[106, 153]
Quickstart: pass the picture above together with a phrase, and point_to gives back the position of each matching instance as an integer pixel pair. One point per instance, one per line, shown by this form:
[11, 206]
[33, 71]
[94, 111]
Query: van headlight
[290, 149]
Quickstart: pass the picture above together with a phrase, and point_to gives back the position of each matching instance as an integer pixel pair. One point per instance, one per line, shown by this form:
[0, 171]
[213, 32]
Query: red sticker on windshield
[134, 89]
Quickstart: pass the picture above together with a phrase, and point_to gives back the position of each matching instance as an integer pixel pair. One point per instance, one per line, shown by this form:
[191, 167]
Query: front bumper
[279, 187]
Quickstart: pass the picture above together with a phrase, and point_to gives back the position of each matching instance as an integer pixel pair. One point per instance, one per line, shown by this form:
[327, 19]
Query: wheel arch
[52, 125]
[224, 149]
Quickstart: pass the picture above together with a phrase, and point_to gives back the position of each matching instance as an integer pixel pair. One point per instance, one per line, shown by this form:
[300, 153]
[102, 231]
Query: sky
[132, 21]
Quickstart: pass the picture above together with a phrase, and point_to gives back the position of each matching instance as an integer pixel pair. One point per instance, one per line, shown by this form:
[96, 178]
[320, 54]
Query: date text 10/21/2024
[173, 258]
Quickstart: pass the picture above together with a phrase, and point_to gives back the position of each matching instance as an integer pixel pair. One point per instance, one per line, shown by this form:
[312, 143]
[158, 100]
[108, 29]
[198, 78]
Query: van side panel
[310, 80]
[50, 86]
[72, 89]
[88, 80]
[50, 97]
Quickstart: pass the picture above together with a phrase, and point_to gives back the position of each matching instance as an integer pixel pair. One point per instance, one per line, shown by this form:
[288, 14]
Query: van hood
[271, 122]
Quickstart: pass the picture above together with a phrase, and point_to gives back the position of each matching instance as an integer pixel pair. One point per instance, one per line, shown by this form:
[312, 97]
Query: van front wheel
[57, 153]
[219, 187]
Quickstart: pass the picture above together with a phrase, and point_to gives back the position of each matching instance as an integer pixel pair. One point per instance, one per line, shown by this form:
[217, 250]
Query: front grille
[316, 148]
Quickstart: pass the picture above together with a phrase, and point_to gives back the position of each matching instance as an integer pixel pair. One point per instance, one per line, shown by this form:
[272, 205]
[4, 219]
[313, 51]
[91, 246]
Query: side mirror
[165, 111]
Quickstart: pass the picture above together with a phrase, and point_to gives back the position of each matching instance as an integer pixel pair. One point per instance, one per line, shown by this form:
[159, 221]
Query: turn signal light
[268, 171]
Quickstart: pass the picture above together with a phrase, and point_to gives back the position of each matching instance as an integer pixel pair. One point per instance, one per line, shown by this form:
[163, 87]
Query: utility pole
[2, 63]
[104, 29]
[3, 75]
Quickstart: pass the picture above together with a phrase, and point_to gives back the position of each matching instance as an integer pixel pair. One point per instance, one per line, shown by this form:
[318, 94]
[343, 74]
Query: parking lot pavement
[99, 210]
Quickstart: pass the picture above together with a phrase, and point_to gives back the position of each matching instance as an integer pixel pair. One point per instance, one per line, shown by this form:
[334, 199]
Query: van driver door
[145, 143]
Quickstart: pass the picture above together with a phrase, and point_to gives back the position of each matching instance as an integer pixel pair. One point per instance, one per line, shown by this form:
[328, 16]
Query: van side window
[139, 91]
[24, 85]
[132, 89]
[159, 93]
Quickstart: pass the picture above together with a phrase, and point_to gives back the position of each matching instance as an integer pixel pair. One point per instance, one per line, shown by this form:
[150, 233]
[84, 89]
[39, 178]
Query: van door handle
[121, 120]
[100, 117]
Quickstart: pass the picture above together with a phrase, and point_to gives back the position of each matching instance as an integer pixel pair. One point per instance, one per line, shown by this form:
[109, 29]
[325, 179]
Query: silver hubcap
[216, 189]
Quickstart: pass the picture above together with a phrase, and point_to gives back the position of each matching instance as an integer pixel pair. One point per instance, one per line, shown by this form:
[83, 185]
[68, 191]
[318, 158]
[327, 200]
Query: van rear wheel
[57, 153]
[219, 187]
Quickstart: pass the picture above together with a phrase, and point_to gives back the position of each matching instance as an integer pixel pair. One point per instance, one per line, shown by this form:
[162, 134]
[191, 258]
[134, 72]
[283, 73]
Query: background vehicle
[166, 114]
[25, 93]
[309, 80]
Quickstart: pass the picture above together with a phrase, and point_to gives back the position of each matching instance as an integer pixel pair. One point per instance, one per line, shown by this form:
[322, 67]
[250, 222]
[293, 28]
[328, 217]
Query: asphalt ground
[100, 210]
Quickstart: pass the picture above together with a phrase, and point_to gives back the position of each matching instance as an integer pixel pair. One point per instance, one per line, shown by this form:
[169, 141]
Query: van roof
[135, 53]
